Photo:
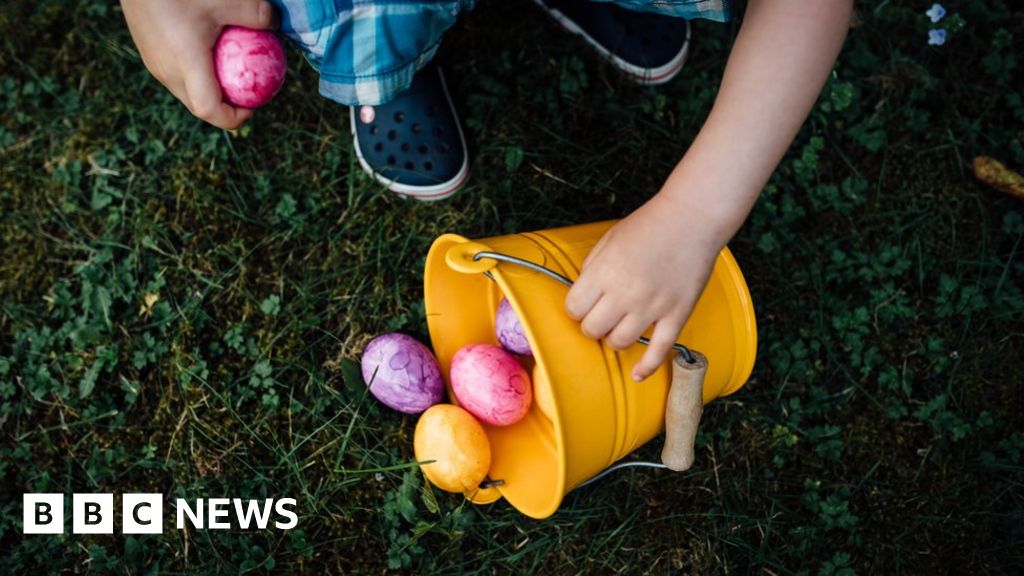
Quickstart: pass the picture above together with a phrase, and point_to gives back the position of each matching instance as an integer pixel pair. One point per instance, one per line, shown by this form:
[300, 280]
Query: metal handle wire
[619, 466]
[555, 275]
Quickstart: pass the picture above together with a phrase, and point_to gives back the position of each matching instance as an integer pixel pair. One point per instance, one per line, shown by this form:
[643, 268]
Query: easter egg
[543, 396]
[402, 373]
[249, 65]
[458, 446]
[510, 330]
[491, 384]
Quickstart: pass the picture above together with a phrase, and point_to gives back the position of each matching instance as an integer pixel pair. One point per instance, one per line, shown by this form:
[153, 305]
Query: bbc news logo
[143, 513]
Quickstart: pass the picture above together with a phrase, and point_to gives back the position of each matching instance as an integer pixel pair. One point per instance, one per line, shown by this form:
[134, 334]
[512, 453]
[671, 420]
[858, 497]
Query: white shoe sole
[641, 75]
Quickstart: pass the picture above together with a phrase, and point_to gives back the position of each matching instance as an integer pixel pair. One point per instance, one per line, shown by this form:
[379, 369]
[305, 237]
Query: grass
[182, 308]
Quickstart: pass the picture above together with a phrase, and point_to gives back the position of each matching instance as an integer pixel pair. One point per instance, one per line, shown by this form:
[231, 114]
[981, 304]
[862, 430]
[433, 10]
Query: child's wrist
[703, 216]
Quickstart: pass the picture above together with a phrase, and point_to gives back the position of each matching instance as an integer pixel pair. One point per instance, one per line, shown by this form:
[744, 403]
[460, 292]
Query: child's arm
[652, 266]
[176, 38]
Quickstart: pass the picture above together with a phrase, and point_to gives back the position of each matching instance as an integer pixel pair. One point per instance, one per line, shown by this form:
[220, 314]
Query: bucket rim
[556, 420]
[455, 252]
[744, 321]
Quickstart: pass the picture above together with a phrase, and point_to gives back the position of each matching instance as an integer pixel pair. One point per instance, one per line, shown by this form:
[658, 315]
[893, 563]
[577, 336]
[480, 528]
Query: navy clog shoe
[649, 48]
[414, 143]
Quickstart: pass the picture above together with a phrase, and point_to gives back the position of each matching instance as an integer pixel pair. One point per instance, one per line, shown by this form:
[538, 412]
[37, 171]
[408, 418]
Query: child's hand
[176, 40]
[650, 268]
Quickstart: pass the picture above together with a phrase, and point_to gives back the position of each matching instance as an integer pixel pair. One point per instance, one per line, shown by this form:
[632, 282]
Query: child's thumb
[256, 14]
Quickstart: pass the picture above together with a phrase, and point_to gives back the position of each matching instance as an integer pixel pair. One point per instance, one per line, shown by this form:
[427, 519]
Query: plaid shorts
[367, 51]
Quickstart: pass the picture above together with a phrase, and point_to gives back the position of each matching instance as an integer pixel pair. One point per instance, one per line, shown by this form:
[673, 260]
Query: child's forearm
[782, 57]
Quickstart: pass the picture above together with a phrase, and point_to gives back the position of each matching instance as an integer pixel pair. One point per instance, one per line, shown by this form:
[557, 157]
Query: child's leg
[375, 56]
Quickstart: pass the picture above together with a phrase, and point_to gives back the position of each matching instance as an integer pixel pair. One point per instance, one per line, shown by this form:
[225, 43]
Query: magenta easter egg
[402, 373]
[510, 330]
[491, 384]
[249, 65]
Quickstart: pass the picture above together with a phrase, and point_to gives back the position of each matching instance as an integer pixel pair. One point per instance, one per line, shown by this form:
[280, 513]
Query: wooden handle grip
[682, 411]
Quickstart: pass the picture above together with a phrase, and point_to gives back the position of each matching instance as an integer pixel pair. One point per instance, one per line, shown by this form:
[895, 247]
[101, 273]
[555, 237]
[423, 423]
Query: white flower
[936, 37]
[936, 12]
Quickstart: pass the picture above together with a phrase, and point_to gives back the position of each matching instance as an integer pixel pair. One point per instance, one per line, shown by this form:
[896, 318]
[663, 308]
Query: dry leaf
[148, 301]
[997, 175]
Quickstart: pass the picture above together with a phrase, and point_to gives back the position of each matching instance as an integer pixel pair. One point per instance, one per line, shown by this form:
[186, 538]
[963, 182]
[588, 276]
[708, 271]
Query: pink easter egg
[510, 330]
[491, 384]
[250, 65]
[402, 373]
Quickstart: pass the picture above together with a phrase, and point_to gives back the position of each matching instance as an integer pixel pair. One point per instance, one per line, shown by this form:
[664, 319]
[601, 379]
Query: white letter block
[92, 514]
[43, 513]
[142, 514]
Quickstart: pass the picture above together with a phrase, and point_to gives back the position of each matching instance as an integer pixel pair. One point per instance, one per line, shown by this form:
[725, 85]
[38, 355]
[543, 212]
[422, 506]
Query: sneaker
[649, 48]
[414, 143]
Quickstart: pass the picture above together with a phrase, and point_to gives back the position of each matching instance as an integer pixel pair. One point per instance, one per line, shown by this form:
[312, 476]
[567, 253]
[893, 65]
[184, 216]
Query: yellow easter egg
[458, 446]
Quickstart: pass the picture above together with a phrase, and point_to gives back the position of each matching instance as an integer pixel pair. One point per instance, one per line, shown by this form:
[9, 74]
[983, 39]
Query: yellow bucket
[598, 414]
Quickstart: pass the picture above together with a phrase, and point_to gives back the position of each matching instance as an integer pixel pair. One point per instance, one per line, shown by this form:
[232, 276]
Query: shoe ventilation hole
[437, 131]
[378, 147]
[399, 117]
[374, 130]
[416, 128]
[410, 166]
[428, 166]
[392, 135]
[422, 149]
[430, 111]
[391, 160]
[443, 148]
[406, 147]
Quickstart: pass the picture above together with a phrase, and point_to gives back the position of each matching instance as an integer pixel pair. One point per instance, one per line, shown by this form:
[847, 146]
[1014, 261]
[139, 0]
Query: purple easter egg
[402, 373]
[510, 330]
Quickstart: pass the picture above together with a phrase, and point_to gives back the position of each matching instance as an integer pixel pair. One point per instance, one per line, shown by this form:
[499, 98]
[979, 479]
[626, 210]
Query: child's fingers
[206, 101]
[626, 332]
[593, 252]
[581, 297]
[665, 333]
[257, 14]
[601, 319]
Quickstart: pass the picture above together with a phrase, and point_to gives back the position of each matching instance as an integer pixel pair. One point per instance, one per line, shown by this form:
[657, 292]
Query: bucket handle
[502, 257]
